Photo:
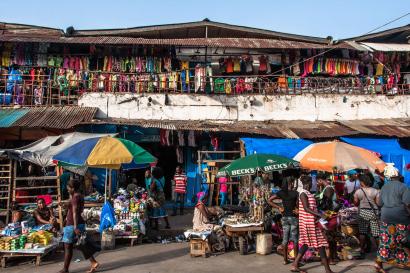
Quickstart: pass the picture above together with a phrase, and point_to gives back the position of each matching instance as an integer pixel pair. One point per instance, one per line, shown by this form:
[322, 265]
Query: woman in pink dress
[310, 235]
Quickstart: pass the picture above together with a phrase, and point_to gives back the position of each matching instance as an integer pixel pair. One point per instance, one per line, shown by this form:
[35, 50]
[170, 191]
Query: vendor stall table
[133, 239]
[37, 253]
[240, 232]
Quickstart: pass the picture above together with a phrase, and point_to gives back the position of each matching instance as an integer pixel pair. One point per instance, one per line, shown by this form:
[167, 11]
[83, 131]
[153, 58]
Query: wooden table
[240, 233]
[132, 237]
[37, 253]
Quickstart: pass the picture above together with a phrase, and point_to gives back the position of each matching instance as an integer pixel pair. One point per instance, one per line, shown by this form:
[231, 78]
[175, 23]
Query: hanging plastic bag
[107, 217]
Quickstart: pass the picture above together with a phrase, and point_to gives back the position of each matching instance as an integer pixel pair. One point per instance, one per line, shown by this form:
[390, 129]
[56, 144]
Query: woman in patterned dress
[310, 235]
[395, 224]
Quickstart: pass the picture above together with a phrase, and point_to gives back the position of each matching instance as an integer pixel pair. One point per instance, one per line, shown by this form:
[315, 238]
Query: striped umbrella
[104, 152]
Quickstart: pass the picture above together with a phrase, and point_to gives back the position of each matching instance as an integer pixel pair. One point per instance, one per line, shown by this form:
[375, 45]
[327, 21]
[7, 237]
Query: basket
[350, 230]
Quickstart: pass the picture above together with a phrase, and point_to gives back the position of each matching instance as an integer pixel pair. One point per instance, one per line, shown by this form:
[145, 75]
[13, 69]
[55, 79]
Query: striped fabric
[309, 232]
[180, 183]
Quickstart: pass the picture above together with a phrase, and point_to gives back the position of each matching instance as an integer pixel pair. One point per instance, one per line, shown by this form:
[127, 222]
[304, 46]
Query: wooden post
[14, 179]
[231, 192]
[109, 184]
[242, 148]
[60, 210]
[9, 191]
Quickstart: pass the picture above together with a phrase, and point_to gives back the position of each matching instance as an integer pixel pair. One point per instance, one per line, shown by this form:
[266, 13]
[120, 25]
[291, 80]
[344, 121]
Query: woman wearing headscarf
[395, 223]
[201, 220]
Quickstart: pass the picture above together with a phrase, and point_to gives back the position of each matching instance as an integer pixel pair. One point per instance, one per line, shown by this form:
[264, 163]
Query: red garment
[215, 143]
[22, 193]
[32, 74]
[309, 232]
[163, 137]
[240, 86]
[229, 65]
[47, 198]
[78, 201]
[180, 183]
[223, 187]
[263, 64]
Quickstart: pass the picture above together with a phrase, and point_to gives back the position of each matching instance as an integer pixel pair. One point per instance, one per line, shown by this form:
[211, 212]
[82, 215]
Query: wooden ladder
[5, 188]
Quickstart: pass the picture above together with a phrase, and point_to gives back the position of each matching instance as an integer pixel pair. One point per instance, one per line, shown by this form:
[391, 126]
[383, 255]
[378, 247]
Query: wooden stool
[199, 248]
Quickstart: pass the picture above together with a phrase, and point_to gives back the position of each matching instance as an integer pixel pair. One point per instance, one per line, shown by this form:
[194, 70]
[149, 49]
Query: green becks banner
[251, 164]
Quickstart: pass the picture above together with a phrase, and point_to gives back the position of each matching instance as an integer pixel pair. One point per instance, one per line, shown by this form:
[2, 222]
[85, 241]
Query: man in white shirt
[351, 185]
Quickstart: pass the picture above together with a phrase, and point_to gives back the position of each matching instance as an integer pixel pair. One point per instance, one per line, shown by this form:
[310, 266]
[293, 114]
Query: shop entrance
[167, 161]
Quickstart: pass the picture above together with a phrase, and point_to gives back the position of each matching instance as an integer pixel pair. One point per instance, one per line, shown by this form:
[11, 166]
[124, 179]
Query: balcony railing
[61, 91]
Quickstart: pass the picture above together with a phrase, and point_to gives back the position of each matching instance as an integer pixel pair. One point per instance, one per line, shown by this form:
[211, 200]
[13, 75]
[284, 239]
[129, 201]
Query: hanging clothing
[191, 139]
[181, 140]
[180, 155]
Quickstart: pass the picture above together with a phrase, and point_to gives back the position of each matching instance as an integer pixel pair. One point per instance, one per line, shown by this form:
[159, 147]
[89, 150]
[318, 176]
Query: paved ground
[175, 258]
[159, 258]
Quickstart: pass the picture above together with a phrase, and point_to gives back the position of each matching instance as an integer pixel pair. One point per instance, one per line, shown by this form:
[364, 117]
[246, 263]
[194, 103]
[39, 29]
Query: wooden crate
[199, 248]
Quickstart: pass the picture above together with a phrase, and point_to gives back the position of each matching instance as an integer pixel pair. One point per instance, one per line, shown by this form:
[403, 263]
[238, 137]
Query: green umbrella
[251, 164]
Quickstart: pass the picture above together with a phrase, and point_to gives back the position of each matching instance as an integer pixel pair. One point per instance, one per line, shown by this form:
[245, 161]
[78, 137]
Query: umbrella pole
[105, 185]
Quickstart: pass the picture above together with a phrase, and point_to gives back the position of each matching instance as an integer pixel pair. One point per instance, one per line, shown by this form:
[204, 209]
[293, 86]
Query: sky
[322, 18]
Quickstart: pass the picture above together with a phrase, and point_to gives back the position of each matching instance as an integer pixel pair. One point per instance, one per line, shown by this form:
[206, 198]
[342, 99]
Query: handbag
[81, 239]
[86, 245]
[375, 211]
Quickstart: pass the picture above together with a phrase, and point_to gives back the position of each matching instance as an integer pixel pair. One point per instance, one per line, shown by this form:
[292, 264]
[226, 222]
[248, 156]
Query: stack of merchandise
[237, 219]
[12, 229]
[34, 240]
[349, 245]
[5, 243]
[130, 209]
[92, 217]
[95, 197]
[256, 198]
[41, 237]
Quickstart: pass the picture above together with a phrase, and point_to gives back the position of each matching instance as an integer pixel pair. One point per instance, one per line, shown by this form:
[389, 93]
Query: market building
[180, 90]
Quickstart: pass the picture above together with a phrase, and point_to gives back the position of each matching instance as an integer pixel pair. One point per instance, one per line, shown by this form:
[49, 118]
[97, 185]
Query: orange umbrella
[327, 156]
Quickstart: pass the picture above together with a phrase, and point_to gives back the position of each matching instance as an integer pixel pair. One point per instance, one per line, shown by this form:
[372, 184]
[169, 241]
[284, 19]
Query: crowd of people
[383, 218]
[382, 199]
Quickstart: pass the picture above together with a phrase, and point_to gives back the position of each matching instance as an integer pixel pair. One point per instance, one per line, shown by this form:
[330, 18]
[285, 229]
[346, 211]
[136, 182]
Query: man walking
[180, 183]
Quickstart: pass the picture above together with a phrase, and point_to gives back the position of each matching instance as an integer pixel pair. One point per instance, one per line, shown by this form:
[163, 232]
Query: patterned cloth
[391, 249]
[367, 219]
[309, 232]
[290, 229]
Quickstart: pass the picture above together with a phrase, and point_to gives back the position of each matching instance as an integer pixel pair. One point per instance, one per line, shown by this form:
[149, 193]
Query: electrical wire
[331, 49]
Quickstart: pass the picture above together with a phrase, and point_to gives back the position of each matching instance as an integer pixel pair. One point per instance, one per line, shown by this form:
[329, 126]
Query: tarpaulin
[389, 149]
[284, 147]
[41, 152]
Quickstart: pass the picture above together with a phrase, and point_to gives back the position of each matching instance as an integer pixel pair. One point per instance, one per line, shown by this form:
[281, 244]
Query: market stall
[340, 162]
[112, 153]
[131, 214]
[241, 225]
[18, 240]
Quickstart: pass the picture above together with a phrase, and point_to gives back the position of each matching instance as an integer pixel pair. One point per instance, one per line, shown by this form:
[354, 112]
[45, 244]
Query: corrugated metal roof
[382, 127]
[199, 29]
[65, 117]
[28, 30]
[210, 42]
[387, 47]
[9, 116]
[393, 35]
[280, 129]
